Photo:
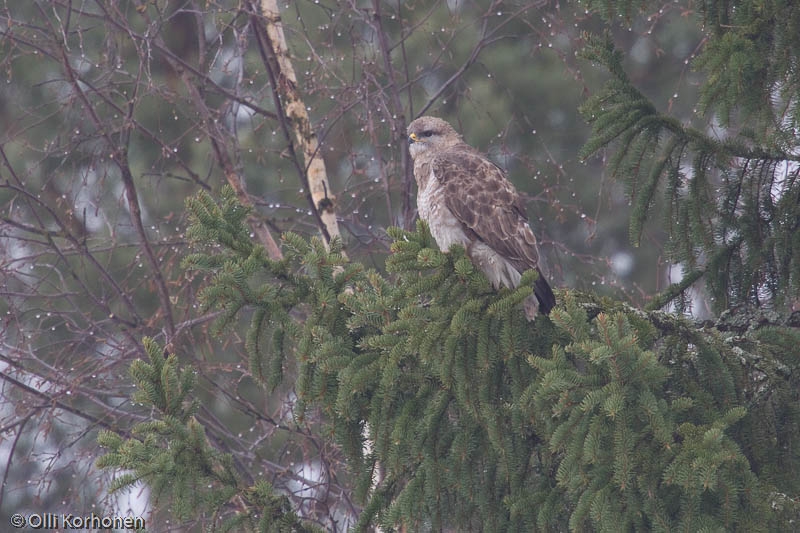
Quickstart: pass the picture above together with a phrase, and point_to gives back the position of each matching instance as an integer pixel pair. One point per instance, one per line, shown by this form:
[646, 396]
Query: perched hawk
[466, 199]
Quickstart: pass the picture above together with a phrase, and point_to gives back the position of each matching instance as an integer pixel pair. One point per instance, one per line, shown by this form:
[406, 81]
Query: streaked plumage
[466, 199]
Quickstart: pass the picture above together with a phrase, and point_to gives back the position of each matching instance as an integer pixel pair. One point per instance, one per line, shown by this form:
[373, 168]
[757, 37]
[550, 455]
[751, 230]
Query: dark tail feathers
[543, 293]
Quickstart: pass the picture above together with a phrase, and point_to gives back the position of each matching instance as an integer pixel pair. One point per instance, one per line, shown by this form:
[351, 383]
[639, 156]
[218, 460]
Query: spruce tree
[600, 417]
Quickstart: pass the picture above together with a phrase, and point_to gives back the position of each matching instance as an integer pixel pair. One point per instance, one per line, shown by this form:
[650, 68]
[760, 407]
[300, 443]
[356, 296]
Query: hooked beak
[413, 138]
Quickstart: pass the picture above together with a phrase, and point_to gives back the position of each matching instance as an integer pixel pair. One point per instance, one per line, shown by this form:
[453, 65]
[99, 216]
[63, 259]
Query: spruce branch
[172, 455]
[720, 193]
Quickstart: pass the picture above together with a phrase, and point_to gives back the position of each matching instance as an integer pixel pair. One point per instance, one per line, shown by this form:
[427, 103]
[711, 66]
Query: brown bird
[466, 199]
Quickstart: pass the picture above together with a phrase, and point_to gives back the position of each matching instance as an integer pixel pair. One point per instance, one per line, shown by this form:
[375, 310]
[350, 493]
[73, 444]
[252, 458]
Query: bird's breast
[445, 227]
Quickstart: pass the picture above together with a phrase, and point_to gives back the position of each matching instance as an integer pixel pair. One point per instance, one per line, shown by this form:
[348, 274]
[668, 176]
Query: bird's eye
[427, 133]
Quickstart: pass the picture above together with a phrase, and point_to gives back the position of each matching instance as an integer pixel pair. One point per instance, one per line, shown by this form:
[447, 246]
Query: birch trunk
[295, 111]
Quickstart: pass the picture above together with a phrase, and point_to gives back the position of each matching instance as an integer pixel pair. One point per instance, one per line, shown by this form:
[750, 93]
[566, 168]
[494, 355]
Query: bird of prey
[466, 199]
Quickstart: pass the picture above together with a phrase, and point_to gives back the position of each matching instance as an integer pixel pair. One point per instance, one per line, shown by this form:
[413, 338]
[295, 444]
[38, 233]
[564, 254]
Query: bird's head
[426, 133]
